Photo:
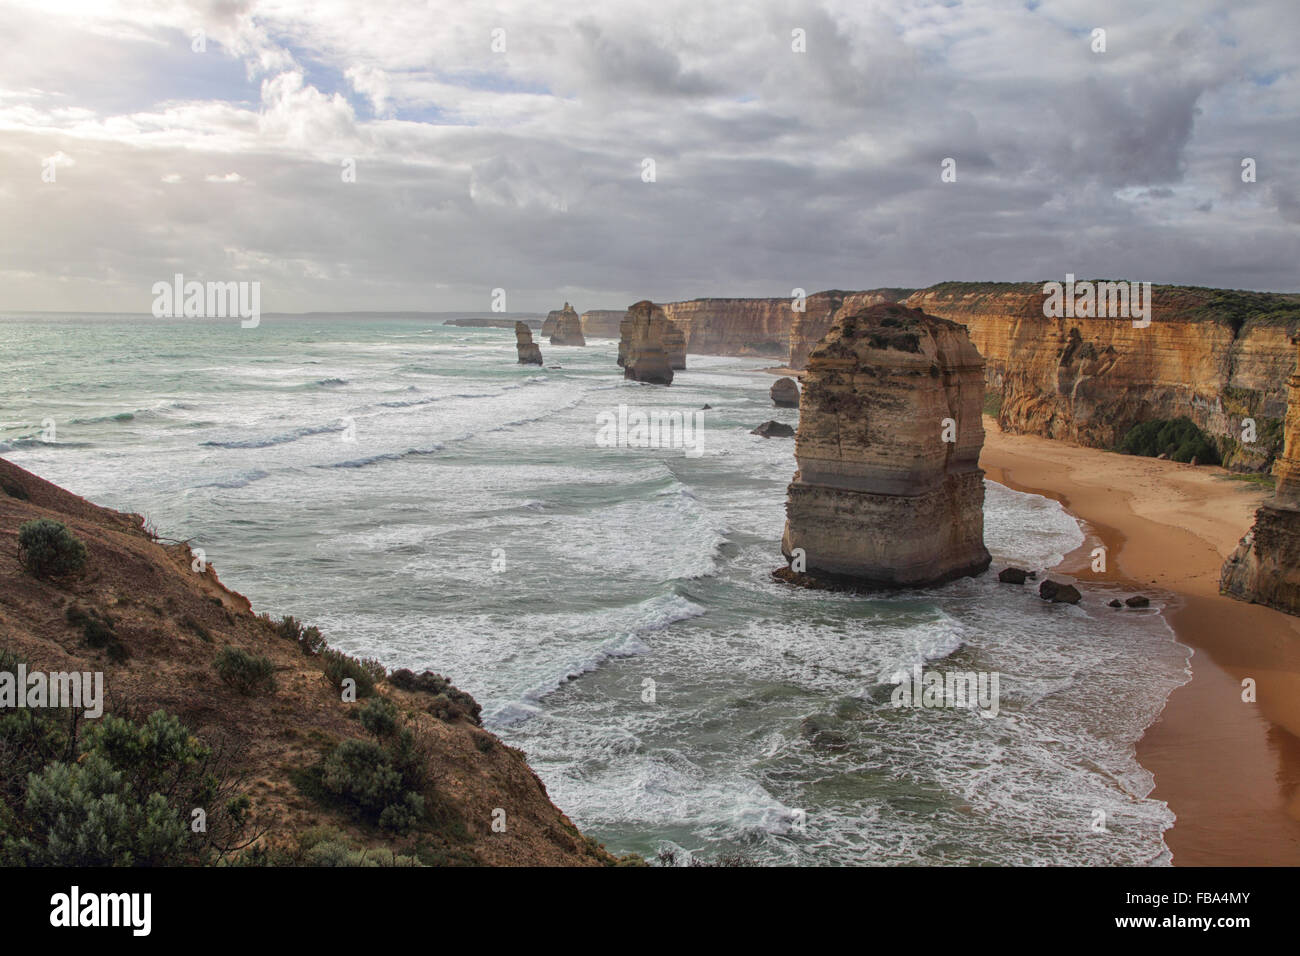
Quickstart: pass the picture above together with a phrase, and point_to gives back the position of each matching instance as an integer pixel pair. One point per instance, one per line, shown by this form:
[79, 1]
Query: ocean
[411, 490]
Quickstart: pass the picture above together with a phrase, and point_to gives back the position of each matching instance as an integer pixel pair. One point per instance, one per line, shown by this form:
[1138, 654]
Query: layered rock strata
[771, 327]
[641, 348]
[565, 327]
[889, 491]
[675, 346]
[530, 353]
[602, 323]
[1265, 568]
[1216, 356]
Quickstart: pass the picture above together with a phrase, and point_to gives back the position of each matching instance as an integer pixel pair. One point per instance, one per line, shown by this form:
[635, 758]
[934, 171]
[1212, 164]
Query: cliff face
[675, 346]
[766, 327]
[565, 327]
[170, 623]
[810, 326]
[602, 323]
[641, 349]
[530, 353]
[1265, 568]
[889, 491]
[1213, 356]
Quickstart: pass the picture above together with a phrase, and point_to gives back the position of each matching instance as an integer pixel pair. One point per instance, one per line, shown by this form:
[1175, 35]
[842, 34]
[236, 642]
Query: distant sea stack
[785, 393]
[641, 349]
[889, 492]
[564, 327]
[530, 353]
[602, 323]
[1265, 568]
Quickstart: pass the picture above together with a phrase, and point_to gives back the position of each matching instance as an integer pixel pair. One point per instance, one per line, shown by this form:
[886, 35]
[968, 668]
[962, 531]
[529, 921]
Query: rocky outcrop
[530, 353]
[1265, 568]
[675, 346]
[773, 429]
[564, 327]
[602, 323]
[1059, 592]
[889, 491]
[1215, 356]
[785, 393]
[641, 348]
[765, 327]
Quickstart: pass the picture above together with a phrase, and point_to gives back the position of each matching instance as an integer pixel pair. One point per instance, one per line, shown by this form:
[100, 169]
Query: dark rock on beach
[1059, 593]
[1013, 575]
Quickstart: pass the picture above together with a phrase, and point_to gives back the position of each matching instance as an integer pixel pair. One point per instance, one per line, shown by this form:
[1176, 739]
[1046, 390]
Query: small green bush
[448, 701]
[247, 673]
[339, 667]
[196, 628]
[309, 639]
[13, 490]
[48, 549]
[1180, 439]
[379, 717]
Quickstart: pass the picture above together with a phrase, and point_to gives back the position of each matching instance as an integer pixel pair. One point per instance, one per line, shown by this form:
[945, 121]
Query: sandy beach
[1229, 769]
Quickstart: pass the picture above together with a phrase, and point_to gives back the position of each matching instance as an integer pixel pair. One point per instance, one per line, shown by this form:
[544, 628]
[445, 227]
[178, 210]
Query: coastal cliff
[602, 323]
[889, 491]
[765, 326]
[159, 624]
[1265, 568]
[1214, 356]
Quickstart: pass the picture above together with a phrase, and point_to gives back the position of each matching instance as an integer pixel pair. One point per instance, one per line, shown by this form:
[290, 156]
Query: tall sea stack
[530, 353]
[641, 347]
[564, 327]
[889, 492]
[1265, 568]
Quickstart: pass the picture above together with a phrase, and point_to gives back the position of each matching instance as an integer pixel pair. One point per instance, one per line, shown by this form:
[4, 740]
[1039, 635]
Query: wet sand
[1229, 769]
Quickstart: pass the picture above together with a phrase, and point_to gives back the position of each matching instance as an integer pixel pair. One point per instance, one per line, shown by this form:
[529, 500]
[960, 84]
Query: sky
[404, 155]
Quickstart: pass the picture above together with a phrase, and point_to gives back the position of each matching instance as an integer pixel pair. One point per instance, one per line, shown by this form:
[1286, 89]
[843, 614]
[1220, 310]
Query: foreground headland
[1229, 769]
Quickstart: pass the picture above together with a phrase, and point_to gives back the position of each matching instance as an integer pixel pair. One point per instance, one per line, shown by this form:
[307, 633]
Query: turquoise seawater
[423, 499]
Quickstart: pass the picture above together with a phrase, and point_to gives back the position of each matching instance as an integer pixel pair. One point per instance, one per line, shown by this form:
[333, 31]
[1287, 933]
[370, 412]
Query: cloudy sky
[222, 154]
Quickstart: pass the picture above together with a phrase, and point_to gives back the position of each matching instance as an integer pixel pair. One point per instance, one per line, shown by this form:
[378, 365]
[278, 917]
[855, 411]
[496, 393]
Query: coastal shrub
[48, 549]
[372, 781]
[13, 490]
[379, 717]
[449, 702]
[1180, 439]
[120, 794]
[309, 639]
[247, 673]
[97, 631]
[339, 667]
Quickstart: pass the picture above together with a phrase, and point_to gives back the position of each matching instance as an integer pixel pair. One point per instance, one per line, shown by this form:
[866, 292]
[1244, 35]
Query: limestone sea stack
[889, 492]
[785, 393]
[641, 347]
[530, 353]
[565, 327]
[1265, 568]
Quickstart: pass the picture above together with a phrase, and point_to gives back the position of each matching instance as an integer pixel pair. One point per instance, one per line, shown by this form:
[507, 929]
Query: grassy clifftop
[210, 707]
